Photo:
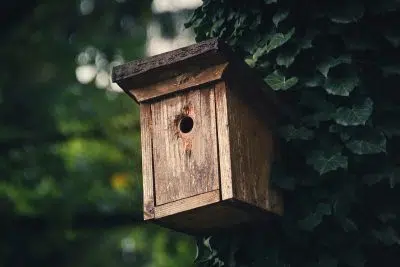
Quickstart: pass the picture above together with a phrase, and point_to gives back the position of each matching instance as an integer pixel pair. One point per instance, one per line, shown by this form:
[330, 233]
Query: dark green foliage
[70, 187]
[336, 64]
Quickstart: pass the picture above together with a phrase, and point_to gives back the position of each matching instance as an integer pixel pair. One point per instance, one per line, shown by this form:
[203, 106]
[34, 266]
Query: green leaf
[388, 236]
[250, 61]
[341, 81]
[391, 70]
[352, 11]
[393, 39]
[280, 16]
[284, 181]
[290, 132]
[278, 40]
[387, 216]
[331, 62]
[393, 176]
[326, 161]
[357, 115]
[310, 222]
[286, 58]
[382, 6]
[347, 224]
[345, 132]
[324, 209]
[315, 119]
[314, 81]
[280, 178]
[360, 41]
[307, 40]
[204, 250]
[279, 82]
[368, 145]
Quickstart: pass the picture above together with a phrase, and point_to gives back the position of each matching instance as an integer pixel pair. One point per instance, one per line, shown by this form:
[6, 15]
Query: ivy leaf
[393, 176]
[324, 209]
[280, 16]
[345, 132]
[314, 81]
[393, 39]
[279, 82]
[331, 62]
[290, 132]
[204, 250]
[388, 236]
[306, 42]
[351, 12]
[281, 179]
[286, 58]
[278, 40]
[326, 161]
[390, 130]
[315, 119]
[368, 146]
[341, 81]
[357, 115]
[391, 70]
[387, 216]
[310, 222]
[383, 6]
[347, 224]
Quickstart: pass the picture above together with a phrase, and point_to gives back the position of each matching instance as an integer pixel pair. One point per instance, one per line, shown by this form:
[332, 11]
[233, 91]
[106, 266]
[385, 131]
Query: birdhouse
[206, 136]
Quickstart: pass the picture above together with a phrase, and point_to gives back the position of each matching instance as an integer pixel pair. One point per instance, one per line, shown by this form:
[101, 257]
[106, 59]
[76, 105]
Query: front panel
[185, 154]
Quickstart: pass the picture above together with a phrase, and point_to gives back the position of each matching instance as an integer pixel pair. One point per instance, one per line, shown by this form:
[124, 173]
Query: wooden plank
[189, 79]
[149, 69]
[186, 204]
[147, 161]
[224, 151]
[185, 164]
[229, 215]
[252, 151]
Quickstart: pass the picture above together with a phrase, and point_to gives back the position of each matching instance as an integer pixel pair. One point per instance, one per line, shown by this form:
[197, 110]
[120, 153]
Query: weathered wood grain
[224, 151]
[185, 164]
[251, 151]
[139, 66]
[187, 204]
[193, 76]
[216, 217]
[145, 72]
[164, 61]
[147, 161]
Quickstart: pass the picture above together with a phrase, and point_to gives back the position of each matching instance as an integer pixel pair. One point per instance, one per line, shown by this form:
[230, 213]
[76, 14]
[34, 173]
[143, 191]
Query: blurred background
[70, 159]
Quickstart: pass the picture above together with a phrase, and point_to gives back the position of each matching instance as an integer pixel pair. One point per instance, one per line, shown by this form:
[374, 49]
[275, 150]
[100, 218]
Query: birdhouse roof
[187, 68]
[142, 73]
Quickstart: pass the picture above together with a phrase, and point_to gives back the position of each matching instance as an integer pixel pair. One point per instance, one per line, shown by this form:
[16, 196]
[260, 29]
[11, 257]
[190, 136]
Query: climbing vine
[336, 64]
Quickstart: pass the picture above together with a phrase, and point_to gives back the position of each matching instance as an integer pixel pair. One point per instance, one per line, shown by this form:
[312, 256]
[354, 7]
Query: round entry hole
[186, 124]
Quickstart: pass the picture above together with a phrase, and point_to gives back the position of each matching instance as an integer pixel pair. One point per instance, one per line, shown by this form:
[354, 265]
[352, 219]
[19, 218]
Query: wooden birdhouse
[207, 144]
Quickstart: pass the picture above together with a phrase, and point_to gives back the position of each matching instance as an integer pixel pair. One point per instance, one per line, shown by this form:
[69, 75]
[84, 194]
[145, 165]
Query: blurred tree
[70, 193]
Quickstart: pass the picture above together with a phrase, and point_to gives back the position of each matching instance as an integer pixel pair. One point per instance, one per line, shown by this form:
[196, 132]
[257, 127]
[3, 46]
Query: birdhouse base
[206, 213]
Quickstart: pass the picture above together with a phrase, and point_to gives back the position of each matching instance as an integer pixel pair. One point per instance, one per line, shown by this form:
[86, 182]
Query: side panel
[147, 161]
[252, 151]
[224, 150]
[185, 145]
